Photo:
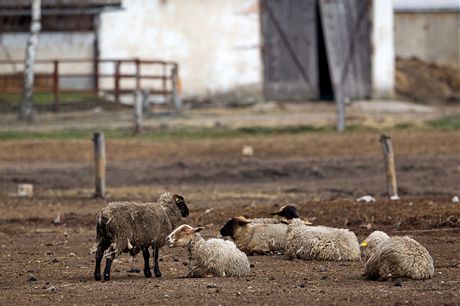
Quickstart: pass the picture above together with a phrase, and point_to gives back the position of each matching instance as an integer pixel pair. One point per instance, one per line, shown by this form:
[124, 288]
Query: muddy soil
[47, 263]
[427, 83]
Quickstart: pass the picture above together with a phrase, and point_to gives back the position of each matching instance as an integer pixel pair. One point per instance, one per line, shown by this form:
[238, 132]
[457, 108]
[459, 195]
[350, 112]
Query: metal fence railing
[71, 83]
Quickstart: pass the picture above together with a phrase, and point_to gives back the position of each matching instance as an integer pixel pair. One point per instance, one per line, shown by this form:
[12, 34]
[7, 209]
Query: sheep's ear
[242, 220]
[198, 229]
[178, 198]
[277, 212]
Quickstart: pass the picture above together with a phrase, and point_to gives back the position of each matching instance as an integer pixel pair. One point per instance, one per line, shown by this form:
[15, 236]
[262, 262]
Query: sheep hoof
[158, 274]
[148, 274]
[106, 277]
[97, 277]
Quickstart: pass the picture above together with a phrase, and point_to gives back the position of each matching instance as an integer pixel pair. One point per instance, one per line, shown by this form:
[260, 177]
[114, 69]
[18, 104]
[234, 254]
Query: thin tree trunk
[26, 110]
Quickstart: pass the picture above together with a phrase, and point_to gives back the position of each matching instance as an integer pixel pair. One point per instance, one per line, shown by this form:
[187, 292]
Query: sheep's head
[180, 202]
[182, 235]
[232, 225]
[371, 241]
[287, 212]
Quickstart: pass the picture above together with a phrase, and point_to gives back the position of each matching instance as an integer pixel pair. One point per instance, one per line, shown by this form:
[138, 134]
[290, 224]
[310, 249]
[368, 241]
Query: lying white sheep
[369, 244]
[395, 257]
[286, 212]
[320, 243]
[256, 238]
[207, 258]
[123, 227]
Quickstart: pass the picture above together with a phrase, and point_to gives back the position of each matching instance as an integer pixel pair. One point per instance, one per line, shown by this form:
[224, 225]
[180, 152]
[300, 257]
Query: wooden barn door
[346, 26]
[289, 51]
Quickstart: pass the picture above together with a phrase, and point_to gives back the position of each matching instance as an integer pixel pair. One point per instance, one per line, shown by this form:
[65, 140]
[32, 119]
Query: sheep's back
[219, 257]
[399, 257]
[267, 238]
[138, 224]
[322, 243]
[264, 220]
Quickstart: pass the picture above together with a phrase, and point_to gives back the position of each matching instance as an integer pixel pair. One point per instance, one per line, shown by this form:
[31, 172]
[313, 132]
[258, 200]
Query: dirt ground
[427, 83]
[323, 174]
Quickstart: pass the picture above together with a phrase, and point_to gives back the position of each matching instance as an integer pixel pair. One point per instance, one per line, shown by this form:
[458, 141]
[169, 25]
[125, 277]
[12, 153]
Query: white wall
[215, 42]
[383, 52]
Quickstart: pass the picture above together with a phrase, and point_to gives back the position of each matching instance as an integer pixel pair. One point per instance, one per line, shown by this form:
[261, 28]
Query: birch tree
[26, 109]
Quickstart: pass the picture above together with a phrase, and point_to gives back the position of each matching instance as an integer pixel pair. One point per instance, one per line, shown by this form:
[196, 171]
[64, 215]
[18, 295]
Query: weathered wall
[217, 43]
[50, 46]
[432, 37]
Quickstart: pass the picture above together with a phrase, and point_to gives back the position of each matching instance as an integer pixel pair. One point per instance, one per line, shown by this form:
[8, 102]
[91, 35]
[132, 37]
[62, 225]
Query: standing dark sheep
[124, 227]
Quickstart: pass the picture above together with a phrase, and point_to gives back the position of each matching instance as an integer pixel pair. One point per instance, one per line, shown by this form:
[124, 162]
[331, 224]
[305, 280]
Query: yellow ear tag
[364, 243]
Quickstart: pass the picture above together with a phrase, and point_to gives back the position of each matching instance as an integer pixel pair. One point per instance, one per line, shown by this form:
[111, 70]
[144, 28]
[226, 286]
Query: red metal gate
[107, 79]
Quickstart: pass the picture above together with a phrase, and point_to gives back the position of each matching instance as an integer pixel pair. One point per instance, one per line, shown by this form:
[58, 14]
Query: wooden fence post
[390, 171]
[100, 159]
[138, 122]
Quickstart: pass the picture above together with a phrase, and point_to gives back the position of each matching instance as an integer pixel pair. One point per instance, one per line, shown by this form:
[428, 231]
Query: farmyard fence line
[79, 83]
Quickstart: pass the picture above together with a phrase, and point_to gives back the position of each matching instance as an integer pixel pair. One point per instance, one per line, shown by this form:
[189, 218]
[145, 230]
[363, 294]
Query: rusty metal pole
[164, 78]
[56, 102]
[138, 74]
[117, 81]
[96, 75]
[388, 156]
[137, 105]
[101, 162]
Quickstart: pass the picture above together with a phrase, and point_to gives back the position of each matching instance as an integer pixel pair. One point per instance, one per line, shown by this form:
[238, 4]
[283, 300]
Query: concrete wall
[432, 37]
[216, 42]
[383, 52]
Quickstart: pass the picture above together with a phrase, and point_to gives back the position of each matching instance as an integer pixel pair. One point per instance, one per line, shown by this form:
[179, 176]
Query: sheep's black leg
[156, 267]
[147, 272]
[99, 255]
[108, 265]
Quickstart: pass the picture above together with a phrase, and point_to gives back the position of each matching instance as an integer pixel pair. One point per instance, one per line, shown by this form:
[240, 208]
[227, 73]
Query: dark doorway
[326, 91]
[310, 45]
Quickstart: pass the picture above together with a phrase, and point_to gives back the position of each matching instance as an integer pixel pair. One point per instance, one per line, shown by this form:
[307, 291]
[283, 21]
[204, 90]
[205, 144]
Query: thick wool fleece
[395, 257]
[320, 243]
[130, 226]
[372, 241]
[264, 220]
[260, 238]
[215, 257]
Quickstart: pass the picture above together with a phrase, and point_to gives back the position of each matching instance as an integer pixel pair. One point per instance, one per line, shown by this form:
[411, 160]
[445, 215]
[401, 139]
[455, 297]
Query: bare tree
[26, 110]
